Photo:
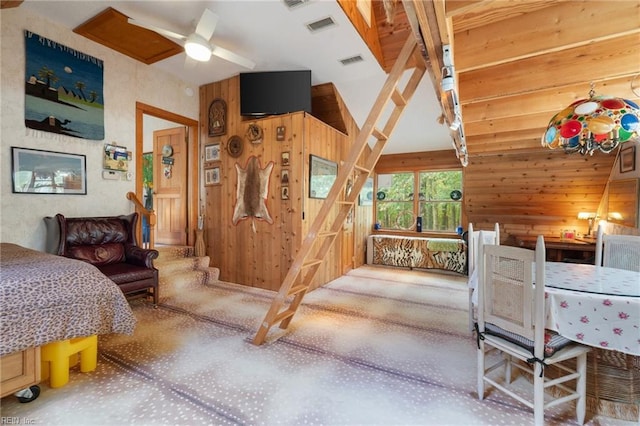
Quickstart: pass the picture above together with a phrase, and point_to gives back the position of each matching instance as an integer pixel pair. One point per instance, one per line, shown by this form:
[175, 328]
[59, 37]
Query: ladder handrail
[149, 215]
[388, 92]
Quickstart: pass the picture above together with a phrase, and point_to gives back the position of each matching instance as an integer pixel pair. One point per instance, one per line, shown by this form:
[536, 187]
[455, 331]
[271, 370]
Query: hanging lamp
[599, 123]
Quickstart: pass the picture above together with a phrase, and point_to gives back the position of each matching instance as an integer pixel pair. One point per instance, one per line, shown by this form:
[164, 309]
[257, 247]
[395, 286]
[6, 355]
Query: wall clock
[234, 146]
[167, 151]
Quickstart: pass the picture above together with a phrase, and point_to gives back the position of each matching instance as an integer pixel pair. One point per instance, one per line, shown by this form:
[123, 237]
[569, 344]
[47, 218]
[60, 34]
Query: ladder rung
[378, 135]
[283, 315]
[312, 262]
[350, 203]
[398, 99]
[362, 169]
[297, 289]
[327, 234]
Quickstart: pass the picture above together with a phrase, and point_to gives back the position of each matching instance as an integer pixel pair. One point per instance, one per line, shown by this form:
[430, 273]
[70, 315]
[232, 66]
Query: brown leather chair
[110, 244]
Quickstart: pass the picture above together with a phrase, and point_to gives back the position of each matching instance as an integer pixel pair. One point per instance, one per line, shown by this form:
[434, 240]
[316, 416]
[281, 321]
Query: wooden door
[170, 185]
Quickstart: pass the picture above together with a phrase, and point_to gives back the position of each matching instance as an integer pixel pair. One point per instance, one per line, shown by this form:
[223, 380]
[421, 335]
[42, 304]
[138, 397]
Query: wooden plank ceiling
[518, 63]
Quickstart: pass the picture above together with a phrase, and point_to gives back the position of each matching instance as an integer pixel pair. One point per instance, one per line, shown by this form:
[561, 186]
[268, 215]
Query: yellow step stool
[57, 355]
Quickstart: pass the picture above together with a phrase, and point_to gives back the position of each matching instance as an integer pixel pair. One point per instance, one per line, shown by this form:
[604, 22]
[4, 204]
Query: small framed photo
[284, 193]
[284, 177]
[280, 132]
[212, 176]
[212, 152]
[46, 172]
[628, 159]
[285, 159]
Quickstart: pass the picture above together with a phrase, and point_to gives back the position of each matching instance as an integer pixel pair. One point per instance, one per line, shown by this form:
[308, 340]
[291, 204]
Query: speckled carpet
[374, 347]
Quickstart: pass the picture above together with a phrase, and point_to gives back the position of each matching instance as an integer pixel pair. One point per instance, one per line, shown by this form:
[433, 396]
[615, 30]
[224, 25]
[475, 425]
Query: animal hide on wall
[252, 191]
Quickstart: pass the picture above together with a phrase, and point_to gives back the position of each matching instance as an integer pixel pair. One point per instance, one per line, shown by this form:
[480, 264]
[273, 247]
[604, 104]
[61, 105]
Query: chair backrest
[616, 256]
[490, 237]
[621, 251]
[507, 295]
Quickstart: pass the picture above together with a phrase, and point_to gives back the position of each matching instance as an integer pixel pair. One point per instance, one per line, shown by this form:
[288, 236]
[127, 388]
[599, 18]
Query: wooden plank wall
[533, 192]
[537, 192]
[262, 257]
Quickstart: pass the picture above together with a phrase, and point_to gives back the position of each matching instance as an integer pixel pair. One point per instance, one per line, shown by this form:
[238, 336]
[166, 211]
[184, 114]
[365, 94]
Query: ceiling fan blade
[158, 30]
[207, 24]
[232, 57]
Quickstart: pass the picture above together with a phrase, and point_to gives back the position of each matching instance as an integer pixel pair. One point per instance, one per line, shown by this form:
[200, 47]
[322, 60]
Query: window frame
[416, 202]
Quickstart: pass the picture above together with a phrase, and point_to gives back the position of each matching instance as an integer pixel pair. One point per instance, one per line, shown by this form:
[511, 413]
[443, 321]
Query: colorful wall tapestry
[63, 89]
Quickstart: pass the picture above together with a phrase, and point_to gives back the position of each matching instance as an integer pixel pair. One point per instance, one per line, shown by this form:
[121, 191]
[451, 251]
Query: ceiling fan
[197, 45]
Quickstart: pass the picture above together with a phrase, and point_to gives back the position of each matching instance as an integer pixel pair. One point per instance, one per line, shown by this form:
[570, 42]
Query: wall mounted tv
[275, 92]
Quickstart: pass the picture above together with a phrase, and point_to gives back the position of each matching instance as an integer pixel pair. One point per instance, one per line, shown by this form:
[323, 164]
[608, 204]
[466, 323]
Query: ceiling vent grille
[294, 3]
[321, 24]
[351, 60]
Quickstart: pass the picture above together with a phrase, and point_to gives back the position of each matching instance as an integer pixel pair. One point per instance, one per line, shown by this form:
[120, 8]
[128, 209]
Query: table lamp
[590, 216]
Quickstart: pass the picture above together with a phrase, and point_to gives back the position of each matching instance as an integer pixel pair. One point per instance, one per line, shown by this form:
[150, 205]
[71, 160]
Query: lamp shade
[598, 123]
[197, 48]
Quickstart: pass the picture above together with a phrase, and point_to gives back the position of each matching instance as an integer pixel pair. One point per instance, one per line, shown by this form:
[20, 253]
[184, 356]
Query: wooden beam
[548, 100]
[611, 58]
[553, 29]
[480, 13]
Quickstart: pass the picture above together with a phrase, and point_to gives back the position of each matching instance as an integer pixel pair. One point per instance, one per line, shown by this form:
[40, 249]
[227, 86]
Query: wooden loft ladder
[321, 238]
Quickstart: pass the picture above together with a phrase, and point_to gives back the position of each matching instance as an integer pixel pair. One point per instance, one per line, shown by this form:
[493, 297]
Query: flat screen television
[275, 92]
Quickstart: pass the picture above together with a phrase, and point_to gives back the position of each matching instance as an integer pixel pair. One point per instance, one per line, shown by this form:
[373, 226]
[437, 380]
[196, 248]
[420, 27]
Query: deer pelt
[252, 191]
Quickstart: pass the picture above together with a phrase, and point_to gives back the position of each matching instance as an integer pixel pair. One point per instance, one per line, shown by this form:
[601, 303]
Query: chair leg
[581, 388]
[538, 396]
[481, 370]
[471, 328]
[507, 367]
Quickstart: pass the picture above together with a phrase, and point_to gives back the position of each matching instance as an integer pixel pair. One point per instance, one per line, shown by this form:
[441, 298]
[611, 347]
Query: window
[437, 200]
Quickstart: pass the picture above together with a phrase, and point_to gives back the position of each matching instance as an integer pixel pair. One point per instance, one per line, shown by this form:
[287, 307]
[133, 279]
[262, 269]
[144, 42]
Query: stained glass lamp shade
[598, 123]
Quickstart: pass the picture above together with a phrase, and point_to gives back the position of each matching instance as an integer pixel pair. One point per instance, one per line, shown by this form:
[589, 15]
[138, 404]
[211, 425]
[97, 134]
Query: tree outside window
[399, 203]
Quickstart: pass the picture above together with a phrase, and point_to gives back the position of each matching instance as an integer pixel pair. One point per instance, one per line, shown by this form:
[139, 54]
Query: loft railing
[146, 237]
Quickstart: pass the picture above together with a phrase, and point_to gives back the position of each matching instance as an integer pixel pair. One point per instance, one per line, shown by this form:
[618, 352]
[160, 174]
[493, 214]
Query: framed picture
[46, 172]
[628, 159]
[280, 132]
[284, 193]
[284, 177]
[212, 176]
[322, 175]
[366, 194]
[217, 118]
[212, 152]
[285, 159]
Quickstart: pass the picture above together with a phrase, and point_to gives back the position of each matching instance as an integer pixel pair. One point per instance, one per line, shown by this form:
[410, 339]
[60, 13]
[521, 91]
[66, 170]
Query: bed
[46, 298]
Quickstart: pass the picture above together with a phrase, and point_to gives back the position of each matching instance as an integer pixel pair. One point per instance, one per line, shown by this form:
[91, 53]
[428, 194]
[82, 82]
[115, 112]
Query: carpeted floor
[374, 347]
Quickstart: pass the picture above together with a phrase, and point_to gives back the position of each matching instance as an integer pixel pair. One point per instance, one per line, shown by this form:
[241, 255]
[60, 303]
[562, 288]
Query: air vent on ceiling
[351, 60]
[294, 3]
[321, 24]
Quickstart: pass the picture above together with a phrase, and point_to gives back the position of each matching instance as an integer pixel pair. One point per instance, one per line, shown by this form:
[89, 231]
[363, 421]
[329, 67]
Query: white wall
[126, 81]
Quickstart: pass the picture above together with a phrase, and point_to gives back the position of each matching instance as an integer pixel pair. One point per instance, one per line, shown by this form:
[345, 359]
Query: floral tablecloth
[596, 306]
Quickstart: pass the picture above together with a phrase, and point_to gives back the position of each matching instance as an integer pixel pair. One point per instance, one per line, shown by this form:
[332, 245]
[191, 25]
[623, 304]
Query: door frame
[193, 166]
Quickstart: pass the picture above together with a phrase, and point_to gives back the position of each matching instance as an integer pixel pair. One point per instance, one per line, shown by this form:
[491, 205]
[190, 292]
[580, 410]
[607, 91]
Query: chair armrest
[140, 256]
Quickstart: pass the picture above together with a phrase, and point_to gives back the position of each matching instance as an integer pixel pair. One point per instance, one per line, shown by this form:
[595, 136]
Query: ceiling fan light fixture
[197, 48]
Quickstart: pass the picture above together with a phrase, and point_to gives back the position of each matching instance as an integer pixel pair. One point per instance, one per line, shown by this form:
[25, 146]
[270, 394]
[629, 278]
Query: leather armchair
[110, 244]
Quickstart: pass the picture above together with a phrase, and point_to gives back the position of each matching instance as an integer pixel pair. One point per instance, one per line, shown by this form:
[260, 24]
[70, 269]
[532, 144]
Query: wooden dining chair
[489, 237]
[511, 321]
